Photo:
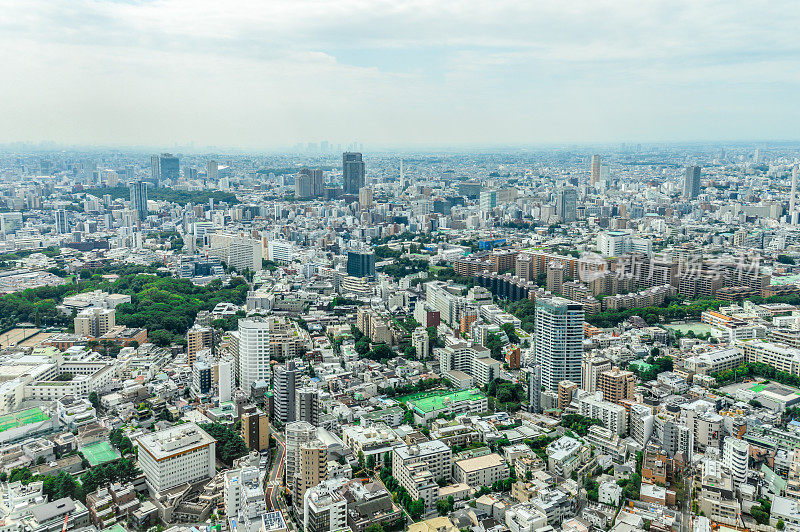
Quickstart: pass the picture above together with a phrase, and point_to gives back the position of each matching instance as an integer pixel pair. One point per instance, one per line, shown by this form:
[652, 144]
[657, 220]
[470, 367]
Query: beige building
[616, 385]
[94, 322]
[481, 470]
[198, 338]
[313, 468]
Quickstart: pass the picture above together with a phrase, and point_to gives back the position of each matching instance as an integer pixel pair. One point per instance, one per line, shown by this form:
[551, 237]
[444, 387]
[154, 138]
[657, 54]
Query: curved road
[275, 478]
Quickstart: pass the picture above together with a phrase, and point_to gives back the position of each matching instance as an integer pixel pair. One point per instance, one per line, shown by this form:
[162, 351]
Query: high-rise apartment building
[307, 405]
[595, 169]
[94, 322]
[138, 191]
[559, 340]
[198, 338]
[297, 433]
[691, 182]
[591, 368]
[555, 277]
[313, 469]
[566, 390]
[616, 385]
[285, 381]
[254, 351]
[255, 428]
[365, 197]
[353, 172]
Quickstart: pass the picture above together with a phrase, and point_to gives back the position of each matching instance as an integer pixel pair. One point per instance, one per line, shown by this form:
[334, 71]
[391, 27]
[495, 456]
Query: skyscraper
[596, 168]
[254, 351]
[138, 190]
[353, 172]
[567, 204]
[361, 263]
[691, 182]
[212, 171]
[169, 167]
[559, 340]
[793, 198]
[62, 222]
[285, 381]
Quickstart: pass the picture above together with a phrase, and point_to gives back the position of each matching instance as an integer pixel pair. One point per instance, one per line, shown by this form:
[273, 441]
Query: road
[275, 479]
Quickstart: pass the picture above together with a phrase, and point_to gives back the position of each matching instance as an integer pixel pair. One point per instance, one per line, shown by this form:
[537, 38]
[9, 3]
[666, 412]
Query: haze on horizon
[270, 74]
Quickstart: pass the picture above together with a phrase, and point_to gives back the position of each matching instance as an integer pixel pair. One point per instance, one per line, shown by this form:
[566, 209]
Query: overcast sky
[270, 74]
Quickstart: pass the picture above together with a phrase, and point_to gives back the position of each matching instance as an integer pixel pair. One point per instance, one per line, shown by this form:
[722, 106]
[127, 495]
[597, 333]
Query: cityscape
[359, 266]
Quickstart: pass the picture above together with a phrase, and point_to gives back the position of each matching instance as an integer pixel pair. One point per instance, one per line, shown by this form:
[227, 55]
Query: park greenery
[655, 366]
[181, 197]
[166, 307]
[756, 369]
[579, 424]
[230, 445]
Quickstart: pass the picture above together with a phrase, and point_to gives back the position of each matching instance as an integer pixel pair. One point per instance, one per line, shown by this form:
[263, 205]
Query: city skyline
[117, 73]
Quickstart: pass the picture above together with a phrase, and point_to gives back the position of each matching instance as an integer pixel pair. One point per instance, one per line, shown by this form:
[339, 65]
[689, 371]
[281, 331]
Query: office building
[201, 379]
[691, 182]
[169, 168]
[212, 171]
[94, 322]
[535, 388]
[254, 351]
[285, 381]
[567, 204]
[595, 170]
[175, 456]
[559, 340]
[138, 195]
[353, 173]
[365, 197]
[62, 222]
[361, 263]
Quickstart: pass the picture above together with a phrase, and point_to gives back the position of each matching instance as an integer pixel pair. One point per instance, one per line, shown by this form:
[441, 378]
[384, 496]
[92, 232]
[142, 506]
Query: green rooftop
[99, 453]
[23, 417]
[426, 402]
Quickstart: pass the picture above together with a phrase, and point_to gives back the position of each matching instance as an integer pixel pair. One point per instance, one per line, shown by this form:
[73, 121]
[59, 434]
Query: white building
[525, 517]
[175, 456]
[94, 322]
[243, 495]
[324, 507]
[613, 416]
[254, 351]
[735, 456]
[481, 470]
[280, 252]
[559, 340]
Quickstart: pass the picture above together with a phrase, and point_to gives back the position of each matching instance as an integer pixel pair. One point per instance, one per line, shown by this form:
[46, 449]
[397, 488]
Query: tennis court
[23, 417]
[431, 401]
[99, 453]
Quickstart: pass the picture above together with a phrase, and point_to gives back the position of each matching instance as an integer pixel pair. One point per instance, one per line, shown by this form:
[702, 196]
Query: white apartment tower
[559, 340]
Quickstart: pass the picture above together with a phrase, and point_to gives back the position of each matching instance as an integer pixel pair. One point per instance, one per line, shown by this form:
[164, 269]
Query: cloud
[272, 73]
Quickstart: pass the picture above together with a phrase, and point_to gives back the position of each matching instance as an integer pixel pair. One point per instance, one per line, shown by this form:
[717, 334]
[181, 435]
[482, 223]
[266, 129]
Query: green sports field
[432, 401]
[23, 417]
[99, 453]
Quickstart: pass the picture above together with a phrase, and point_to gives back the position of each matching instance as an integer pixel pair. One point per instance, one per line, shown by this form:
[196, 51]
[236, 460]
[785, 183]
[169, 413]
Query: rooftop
[431, 401]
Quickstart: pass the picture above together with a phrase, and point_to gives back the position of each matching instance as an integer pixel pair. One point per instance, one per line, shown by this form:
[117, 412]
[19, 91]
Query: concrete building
[285, 381]
[480, 470]
[324, 508]
[94, 322]
[175, 456]
[254, 350]
[559, 340]
[613, 416]
[616, 385]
